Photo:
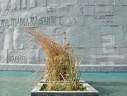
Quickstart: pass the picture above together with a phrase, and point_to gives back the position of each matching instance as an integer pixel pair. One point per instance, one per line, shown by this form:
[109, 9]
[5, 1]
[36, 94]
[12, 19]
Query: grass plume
[60, 63]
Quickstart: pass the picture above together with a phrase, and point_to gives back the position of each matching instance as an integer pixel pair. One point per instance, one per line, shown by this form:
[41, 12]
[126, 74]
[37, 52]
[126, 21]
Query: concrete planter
[90, 91]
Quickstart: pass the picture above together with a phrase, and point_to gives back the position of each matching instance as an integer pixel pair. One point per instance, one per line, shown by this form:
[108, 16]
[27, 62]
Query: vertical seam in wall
[123, 36]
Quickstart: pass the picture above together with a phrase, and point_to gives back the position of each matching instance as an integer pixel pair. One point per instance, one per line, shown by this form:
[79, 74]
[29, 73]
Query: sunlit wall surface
[96, 29]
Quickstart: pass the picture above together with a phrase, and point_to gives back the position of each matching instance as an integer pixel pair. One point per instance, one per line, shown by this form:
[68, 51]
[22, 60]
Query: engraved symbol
[111, 42]
[0, 9]
[33, 3]
[81, 9]
[51, 10]
[104, 45]
[18, 59]
[32, 43]
[73, 21]
[8, 7]
[24, 4]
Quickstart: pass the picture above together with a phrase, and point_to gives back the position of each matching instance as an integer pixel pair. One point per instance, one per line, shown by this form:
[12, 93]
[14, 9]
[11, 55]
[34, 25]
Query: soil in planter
[61, 87]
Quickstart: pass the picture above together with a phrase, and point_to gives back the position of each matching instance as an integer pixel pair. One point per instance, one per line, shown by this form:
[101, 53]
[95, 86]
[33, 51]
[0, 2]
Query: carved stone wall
[96, 29]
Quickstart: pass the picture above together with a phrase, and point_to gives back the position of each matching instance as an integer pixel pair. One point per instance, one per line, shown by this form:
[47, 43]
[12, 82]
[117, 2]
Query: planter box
[90, 91]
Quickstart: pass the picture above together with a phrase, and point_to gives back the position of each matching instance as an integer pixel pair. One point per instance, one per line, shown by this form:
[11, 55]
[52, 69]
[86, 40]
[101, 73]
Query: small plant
[60, 63]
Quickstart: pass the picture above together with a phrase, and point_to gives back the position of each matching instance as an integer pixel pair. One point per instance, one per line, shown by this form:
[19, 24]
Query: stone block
[95, 33]
[51, 2]
[111, 54]
[41, 55]
[107, 68]
[90, 20]
[96, 68]
[118, 36]
[16, 67]
[90, 53]
[29, 68]
[117, 69]
[107, 38]
[1, 40]
[107, 2]
[90, 61]
[57, 30]
[124, 37]
[32, 56]
[72, 34]
[72, 21]
[123, 68]
[123, 2]
[67, 2]
[102, 51]
[19, 38]
[22, 68]
[42, 3]
[114, 59]
[90, 68]
[38, 68]
[3, 56]
[114, 56]
[107, 42]
[73, 10]
[108, 20]
[103, 68]
[116, 20]
[91, 2]
[84, 37]
[120, 68]
[8, 39]
[82, 68]
[31, 43]
[104, 8]
[3, 67]
[83, 2]
[50, 30]
[112, 36]
[79, 53]
[10, 67]
[111, 68]
[106, 30]
[87, 10]
[102, 59]
[123, 52]
[91, 11]
[17, 56]
[113, 51]
[60, 40]
[124, 24]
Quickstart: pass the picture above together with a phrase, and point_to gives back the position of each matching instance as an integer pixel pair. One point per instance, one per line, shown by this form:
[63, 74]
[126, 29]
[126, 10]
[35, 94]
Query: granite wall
[96, 29]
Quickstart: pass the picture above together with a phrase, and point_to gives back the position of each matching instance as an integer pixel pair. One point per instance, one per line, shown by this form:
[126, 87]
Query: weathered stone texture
[96, 29]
